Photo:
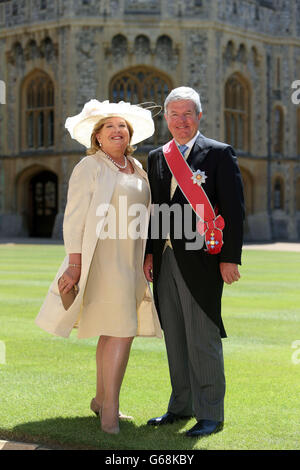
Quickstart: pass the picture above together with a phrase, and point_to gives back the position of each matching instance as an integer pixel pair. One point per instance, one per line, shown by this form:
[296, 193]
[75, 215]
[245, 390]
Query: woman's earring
[99, 143]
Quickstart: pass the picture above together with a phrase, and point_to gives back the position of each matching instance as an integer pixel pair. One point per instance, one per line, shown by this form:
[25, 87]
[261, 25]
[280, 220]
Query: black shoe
[205, 427]
[167, 418]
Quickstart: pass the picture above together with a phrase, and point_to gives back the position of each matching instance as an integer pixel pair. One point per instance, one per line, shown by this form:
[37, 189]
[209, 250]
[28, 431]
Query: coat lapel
[166, 176]
[198, 152]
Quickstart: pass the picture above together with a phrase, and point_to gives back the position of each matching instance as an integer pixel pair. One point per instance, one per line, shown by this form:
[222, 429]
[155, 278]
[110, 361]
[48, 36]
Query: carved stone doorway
[43, 203]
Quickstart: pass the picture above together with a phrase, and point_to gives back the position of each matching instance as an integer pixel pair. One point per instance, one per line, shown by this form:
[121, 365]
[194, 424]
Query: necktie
[183, 149]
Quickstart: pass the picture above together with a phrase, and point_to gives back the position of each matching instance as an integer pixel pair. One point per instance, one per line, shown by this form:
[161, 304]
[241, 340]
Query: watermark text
[296, 94]
[296, 354]
[131, 221]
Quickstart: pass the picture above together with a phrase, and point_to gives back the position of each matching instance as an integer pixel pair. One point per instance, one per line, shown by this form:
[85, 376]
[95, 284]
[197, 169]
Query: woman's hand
[69, 278]
[148, 267]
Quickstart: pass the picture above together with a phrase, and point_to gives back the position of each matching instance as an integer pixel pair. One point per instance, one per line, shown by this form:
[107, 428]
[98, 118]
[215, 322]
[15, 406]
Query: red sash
[212, 225]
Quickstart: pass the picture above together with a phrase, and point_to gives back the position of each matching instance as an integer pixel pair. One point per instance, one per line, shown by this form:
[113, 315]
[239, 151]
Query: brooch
[212, 243]
[199, 177]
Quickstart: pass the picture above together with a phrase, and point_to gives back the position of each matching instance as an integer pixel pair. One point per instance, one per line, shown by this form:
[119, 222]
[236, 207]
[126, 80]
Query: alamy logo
[131, 222]
[2, 92]
[296, 354]
[296, 94]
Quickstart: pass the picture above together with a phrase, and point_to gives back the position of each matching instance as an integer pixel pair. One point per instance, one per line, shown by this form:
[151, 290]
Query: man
[188, 281]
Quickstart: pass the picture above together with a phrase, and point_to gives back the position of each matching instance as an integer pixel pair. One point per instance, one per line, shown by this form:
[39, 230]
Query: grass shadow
[85, 433]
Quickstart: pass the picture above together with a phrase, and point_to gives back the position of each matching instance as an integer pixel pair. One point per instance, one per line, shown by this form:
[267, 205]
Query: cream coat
[92, 183]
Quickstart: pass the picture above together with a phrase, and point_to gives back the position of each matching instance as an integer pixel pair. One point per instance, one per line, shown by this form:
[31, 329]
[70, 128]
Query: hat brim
[142, 128]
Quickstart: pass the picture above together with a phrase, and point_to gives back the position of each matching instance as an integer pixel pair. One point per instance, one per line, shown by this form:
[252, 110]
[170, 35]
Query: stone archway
[37, 200]
[44, 205]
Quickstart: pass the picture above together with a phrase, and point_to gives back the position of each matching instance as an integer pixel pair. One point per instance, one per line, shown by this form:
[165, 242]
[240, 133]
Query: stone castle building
[242, 56]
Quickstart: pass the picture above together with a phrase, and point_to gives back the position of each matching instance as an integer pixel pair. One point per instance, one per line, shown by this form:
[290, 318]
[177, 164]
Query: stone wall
[83, 44]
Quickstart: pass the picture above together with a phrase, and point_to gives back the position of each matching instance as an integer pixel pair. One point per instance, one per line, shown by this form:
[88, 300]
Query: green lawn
[46, 382]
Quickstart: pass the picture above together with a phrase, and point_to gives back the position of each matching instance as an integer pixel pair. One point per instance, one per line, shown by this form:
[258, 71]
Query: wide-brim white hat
[82, 125]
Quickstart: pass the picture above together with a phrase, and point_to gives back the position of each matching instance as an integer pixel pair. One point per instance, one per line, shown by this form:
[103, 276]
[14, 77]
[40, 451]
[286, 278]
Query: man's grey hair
[184, 93]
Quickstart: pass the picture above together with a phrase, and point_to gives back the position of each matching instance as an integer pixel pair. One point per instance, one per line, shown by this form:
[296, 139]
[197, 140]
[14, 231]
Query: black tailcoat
[224, 189]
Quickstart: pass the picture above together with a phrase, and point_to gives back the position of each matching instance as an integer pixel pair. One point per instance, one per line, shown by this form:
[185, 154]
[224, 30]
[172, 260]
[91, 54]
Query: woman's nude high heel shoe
[96, 408]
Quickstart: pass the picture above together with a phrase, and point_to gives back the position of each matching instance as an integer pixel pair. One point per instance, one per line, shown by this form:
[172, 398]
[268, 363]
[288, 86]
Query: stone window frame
[237, 112]
[38, 111]
[278, 73]
[278, 196]
[278, 130]
[157, 86]
[43, 5]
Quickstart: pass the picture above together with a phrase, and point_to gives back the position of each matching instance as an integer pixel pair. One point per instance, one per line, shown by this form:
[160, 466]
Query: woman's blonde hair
[97, 128]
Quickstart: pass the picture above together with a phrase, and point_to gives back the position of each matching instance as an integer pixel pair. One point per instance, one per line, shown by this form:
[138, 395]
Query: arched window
[31, 50]
[142, 45]
[119, 46]
[229, 51]
[164, 51]
[242, 54]
[139, 85]
[278, 130]
[278, 194]
[38, 106]
[164, 46]
[47, 48]
[237, 119]
[17, 50]
[254, 56]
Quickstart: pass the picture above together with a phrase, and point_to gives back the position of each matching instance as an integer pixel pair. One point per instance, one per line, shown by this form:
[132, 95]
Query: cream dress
[116, 281]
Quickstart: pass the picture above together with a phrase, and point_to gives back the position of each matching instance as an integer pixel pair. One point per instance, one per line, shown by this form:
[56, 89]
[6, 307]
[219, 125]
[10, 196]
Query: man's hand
[229, 272]
[148, 267]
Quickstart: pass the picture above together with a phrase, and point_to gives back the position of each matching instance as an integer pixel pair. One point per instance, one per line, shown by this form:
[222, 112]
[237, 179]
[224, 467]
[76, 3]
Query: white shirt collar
[191, 142]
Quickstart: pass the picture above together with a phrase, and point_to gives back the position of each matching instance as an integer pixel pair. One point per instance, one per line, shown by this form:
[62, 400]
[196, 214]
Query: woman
[114, 301]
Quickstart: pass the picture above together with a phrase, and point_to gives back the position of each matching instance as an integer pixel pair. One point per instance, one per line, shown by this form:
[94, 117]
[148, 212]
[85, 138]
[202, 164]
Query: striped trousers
[194, 348]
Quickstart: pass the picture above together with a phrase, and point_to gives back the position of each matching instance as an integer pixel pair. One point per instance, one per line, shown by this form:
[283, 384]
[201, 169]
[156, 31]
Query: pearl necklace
[122, 167]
